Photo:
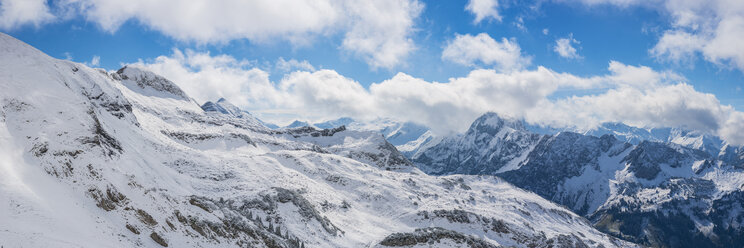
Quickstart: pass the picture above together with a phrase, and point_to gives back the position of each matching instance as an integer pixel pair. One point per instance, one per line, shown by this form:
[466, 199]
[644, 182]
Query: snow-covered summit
[491, 145]
[297, 124]
[492, 123]
[343, 121]
[222, 106]
[694, 139]
[149, 83]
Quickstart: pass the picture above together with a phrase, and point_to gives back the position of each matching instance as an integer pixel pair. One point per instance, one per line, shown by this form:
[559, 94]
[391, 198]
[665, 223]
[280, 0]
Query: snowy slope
[653, 193]
[92, 159]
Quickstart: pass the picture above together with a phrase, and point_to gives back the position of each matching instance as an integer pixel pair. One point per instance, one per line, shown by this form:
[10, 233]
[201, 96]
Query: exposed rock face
[673, 194]
[556, 159]
[490, 144]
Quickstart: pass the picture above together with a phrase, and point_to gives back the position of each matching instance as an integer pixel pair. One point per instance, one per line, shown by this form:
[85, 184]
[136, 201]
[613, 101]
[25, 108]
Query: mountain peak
[492, 122]
[223, 106]
[13, 49]
[298, 123]
[343, 121]
[149, 82]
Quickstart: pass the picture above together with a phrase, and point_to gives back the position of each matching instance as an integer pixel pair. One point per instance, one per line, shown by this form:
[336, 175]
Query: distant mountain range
[656, 187]
[407, 137]
[646, 185]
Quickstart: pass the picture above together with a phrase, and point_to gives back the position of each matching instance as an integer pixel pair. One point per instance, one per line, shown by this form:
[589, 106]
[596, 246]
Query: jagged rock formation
[671, 194]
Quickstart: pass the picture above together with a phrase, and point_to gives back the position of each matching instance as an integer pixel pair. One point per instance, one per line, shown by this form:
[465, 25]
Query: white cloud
[677, 46]
[205, 77]
[712, 29]
[471, 50]
[215, 21]
[378, 32]
[292, 64]
[636, 95]
[519, 23]
[733, 128]
[639, 76]
[545, 31]
[564, 47]
[95, 61]
[16, 13]
[621, 3]
[665, 105]
[381, 30]
[483, 9]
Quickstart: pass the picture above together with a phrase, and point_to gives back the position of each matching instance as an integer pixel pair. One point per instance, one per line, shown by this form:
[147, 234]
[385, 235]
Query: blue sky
[606, 33]
[639, 34]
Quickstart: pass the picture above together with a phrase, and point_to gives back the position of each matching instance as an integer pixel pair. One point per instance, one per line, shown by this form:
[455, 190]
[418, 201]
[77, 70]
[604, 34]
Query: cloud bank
[636, 95]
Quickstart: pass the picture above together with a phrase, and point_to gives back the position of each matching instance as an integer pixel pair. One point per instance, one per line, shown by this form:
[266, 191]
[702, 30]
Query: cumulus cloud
[636, 95]
[205, 77]
[16, 13]
[378, 32]
[381, 31]
[639, 76]
[483, 9]
[293, 64]
[482, 49]
[663, 106]
[564, 47]
[677, 46]
[95, 61]
[708, 29]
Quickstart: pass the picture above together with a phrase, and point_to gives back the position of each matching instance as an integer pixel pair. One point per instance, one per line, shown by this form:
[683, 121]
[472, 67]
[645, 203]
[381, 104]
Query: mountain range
[599, 173]
[671, 190]
[95, 158]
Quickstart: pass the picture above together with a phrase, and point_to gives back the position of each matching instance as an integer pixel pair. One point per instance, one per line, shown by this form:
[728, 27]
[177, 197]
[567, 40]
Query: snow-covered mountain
[90, 158]
[407, 137]
[490, 145]
[689, 138]
[663, 194]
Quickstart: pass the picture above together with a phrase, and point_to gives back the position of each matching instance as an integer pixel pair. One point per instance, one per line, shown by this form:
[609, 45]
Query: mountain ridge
[625, 189]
